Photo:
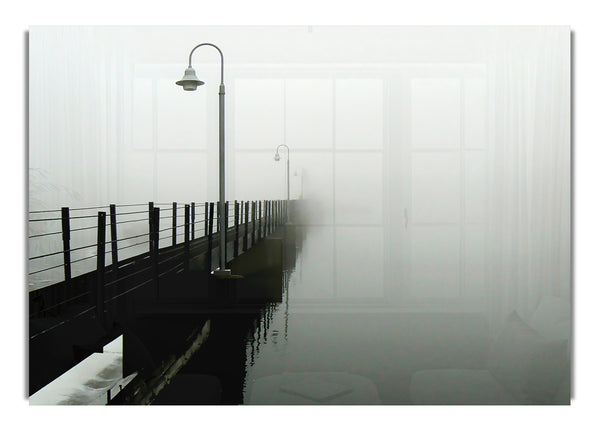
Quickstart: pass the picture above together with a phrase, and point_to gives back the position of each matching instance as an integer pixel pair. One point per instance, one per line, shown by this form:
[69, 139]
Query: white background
[586, 215]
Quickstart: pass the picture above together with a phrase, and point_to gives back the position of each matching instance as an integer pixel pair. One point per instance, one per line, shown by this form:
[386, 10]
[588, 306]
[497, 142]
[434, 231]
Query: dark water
[347, 353]
[339, 336]
[319, 346]
[294, 352]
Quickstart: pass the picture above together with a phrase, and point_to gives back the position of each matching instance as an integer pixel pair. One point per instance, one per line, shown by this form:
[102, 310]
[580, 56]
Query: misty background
[433, 163]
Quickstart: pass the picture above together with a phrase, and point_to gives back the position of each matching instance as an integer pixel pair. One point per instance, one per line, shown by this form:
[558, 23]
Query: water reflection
[261, 335]
[334, 347]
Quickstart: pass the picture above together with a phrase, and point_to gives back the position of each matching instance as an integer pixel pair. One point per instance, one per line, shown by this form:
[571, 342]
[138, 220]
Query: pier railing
[132, 246]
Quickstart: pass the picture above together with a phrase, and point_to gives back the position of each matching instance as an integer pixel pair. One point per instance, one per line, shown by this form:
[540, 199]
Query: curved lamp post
[287, 171]
[190, 82]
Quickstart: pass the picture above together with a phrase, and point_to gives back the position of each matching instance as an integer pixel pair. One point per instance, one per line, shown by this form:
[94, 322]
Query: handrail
[195, 225]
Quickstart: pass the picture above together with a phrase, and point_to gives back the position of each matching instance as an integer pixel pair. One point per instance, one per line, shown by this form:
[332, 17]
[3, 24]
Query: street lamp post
[287, 173]
[190, 82]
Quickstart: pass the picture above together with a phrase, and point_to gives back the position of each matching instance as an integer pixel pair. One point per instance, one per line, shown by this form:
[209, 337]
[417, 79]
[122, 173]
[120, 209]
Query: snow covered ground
[92, 381]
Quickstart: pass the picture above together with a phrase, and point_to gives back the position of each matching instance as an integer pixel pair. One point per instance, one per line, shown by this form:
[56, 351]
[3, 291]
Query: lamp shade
[190, 81]
[277, 157]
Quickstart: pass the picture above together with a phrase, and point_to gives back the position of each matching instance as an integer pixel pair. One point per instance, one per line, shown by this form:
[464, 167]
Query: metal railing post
[193, 222]
[246, 218]
[210, 235]
[225, 227]
[186, 261]
[100, 267]
[155, 247]
[236, 220]
[150, 225]
[66, 238]
[174, 224]
[253, 223]
[205, 218]
[114, 251]
[259, 220]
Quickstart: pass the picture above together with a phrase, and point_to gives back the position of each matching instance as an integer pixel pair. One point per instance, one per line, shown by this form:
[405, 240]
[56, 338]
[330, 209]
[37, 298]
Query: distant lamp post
[190, 82]
[287, 175]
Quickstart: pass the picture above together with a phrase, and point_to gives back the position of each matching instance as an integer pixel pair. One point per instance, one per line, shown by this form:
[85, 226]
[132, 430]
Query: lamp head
[190, 81]
[277, 157]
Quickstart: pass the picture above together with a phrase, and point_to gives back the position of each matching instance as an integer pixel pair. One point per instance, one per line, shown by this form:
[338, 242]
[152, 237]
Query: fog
[432, 164]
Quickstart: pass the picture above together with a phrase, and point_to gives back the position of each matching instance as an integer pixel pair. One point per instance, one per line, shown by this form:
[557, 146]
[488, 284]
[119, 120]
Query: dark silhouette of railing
[170, 250]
